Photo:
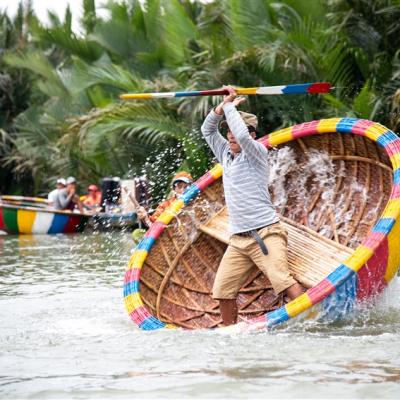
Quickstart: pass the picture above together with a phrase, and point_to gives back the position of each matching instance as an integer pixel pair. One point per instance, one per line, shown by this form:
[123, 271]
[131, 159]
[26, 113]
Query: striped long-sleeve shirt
[245, 176]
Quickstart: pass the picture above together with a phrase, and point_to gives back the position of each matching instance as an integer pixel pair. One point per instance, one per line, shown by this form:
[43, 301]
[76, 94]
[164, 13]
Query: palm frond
[178, 30]
[363, 104]
[103, 72]
[37, 62]
[249, 22]
[69, 42]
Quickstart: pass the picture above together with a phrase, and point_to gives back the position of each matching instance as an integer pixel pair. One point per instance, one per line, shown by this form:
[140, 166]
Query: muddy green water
[65, 334]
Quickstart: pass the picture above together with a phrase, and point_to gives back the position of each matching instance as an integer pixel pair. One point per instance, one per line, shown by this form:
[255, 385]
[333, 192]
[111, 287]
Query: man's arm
[50, 198]
[254, 151]
[78, 203]
[213, 137]
[64, 200]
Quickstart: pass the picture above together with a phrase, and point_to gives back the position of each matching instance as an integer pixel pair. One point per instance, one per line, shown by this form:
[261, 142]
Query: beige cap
[249, 120]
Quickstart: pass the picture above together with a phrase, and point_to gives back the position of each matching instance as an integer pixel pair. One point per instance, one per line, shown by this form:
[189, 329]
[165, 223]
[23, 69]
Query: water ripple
[65, 334]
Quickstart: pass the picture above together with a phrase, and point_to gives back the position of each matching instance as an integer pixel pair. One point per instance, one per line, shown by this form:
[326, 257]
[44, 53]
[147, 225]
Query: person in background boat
[92, 200]
[67, 199]
[179, 184]
[60, 184]
[257, 237]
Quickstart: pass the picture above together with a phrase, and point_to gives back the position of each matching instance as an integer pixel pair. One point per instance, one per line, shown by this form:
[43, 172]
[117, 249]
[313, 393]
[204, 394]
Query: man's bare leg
[294, 291]
[229, 311]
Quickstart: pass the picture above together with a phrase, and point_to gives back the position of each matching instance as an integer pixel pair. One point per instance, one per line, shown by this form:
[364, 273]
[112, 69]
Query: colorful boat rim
[380, 248]
[15, 219]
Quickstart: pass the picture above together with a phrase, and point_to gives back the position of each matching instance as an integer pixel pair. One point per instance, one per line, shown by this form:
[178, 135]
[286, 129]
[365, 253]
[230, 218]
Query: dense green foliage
[60, 112]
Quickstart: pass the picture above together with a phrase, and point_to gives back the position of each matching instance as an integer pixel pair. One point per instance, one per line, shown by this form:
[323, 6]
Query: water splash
[314, 190]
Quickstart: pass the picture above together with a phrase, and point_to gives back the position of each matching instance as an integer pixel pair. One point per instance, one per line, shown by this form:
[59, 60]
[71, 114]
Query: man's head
[251, 122]
[71, 183]
[61, 183]
[181, 181]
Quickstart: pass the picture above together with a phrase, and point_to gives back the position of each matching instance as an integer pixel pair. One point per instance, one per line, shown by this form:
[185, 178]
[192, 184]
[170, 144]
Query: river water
[65, 334]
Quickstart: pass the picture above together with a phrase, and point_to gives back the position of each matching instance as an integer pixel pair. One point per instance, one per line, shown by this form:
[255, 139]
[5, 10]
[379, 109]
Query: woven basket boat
[344, 234]
[29, 215]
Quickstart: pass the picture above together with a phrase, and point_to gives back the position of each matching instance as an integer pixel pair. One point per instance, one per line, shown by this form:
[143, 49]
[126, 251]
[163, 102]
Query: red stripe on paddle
[320, 87]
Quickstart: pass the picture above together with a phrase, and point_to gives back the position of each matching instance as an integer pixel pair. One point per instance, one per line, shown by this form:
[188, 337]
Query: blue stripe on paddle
[293, 89]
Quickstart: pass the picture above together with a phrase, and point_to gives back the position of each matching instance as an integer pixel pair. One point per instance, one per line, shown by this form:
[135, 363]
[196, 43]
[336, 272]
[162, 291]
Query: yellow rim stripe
[176, 206]
[298, 305]
[328, 125]
[216, 171]
[137, 259]
[395, 160]
[166, 217]
[283, 136]
[393, 252]
[133, 301]
[392, 209]
[360, 256]
[374, 131]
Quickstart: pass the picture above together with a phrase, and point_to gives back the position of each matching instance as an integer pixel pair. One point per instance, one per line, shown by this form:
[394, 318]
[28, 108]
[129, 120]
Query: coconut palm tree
[15, 95]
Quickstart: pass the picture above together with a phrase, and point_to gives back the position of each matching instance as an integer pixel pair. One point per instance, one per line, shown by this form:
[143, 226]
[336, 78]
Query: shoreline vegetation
[60, 112]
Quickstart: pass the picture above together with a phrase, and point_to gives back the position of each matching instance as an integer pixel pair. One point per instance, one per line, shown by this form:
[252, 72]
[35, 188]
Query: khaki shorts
[243, 253]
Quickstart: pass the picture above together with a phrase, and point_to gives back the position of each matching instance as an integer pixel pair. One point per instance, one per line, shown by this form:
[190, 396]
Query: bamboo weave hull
[170, 274]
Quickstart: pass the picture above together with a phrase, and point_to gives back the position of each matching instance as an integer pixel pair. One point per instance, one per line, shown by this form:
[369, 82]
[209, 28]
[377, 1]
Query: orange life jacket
[92, 200]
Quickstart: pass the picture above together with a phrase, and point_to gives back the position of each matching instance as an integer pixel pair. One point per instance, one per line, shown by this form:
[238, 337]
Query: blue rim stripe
[190, 194]
[146, 244]
[384, 225]
[131, 287]
[346, 125]
[386, 138]
[339, 275]
[151, 323]
[340, 302]
[277, 316]
[396, 176]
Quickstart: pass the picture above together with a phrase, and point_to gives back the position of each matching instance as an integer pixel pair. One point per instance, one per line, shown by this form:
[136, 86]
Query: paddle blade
[319, 87]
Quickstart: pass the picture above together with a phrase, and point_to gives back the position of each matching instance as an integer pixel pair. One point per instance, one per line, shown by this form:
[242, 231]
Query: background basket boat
[20, 214]
[343, 232]
[26, 215]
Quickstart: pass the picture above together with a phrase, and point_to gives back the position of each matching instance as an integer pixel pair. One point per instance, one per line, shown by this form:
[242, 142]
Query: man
[257, 237]
[67, 199]
[60, 184]
[179, 184]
